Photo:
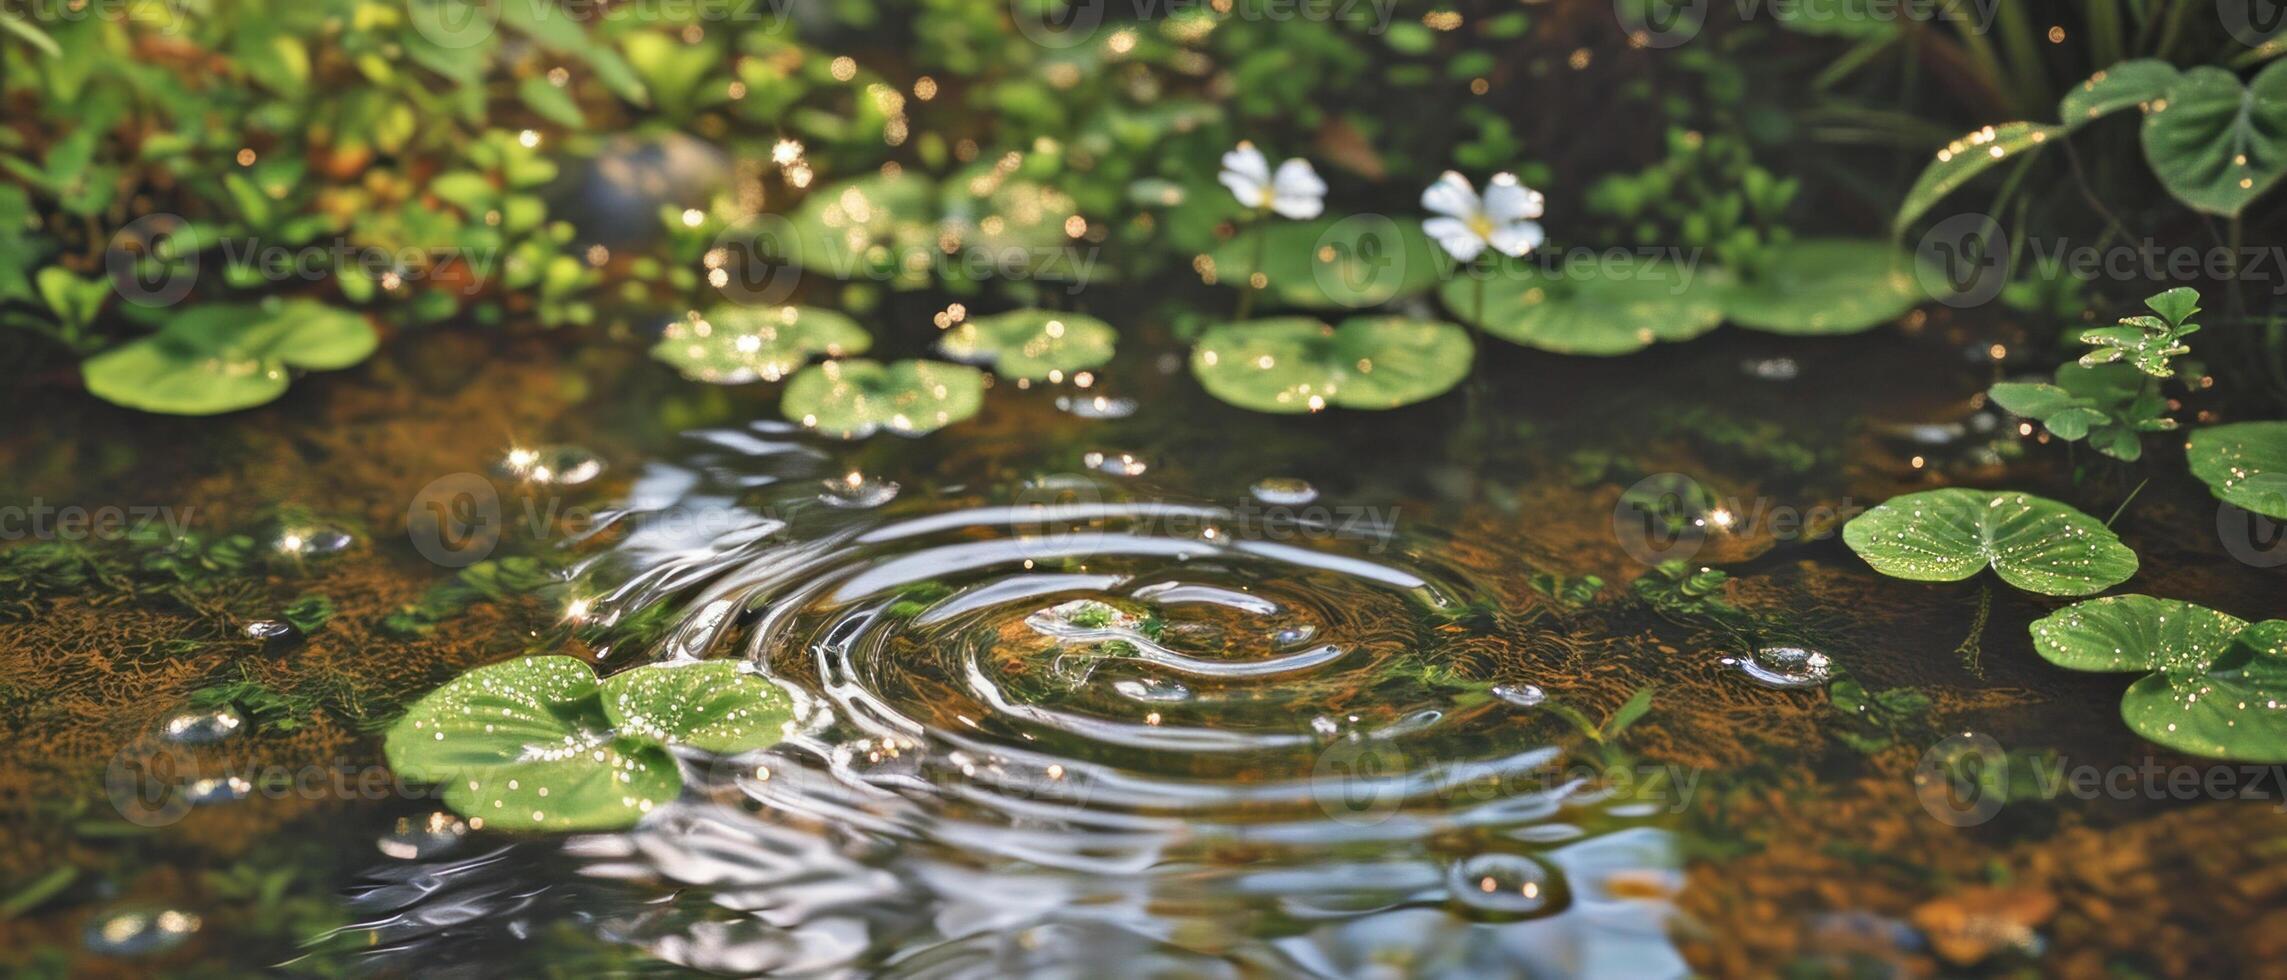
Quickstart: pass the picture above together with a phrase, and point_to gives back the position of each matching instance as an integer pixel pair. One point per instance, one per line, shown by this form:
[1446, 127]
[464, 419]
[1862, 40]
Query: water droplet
[320, 541]
[857, 491]
[1097, 406]
[1116, 464]
[1294, 636]
[1521, 695]
[270, 631]
[1786, 667]
[1284, 491]
[1152, 689]
[200, 726]
[1771, 368]
[415, 838]
[1511, 883]
[563, 466]
[216, 789]
[1325, 727]
[139, 931]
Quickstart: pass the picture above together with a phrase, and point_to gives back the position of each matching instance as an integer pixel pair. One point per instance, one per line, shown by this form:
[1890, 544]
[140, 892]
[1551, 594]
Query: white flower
[1466, 224]
[1296, 192]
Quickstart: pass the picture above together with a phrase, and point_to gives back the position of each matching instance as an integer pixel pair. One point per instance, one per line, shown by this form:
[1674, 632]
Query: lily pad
[878, 227]
[1032, 344]
[1011, 223]
[1826, 286]
[1333, 263]
[537, 743]
[2244, 464]
[737, 344]
[851, 399]
[1587, 308]
[211, 359]
[2032, 542]
[1297, 364]
[2217, 144]
[2218, 685]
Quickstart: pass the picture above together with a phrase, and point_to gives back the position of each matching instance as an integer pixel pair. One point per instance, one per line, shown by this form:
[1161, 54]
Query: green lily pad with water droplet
[2244, 464]
[210, 359]
[877, 227]
[851, 399]
[2218, 685]
[1589, 308]
[2033, 543]
[1349, 263]
[537, 743]
[1012, 225]
[1297, 364]
[738, 344]
[1032, 344]
[1827, 286]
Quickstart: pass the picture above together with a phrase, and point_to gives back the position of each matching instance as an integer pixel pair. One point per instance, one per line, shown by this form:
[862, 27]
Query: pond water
[1181, 690]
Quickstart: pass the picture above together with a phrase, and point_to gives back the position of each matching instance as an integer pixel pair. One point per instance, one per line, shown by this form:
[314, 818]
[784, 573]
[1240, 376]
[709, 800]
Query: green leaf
[2218, 685]
[1297, 364]
[1826, 286]
[30, 33]
[739, 344]
[2244, 464]
[1588, 308]
[550, 102]
[851, 399]
[875, 227]
[2033, 400]
[1333, 263]
[713, 706]
[2215, 144]
[2032, 542]
[2176, 305]
[2129, 83]
[1032, 344]
[1009, 224]
[220, 358]
[1960, 161]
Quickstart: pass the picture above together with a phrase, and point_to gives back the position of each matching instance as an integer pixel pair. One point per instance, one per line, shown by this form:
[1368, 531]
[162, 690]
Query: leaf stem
[2130, 499]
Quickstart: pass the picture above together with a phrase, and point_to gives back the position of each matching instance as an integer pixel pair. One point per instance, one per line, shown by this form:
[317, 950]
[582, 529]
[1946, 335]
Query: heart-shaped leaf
[1031, 344]
[1333, 263]
[2032, 542]
[2218, 685]
[738, 344]
[220, 358]
[1297, 364]
[2217, 144]
[851, 399]
[1589, 307]
[712, 706]
[2244, 464]
[1827, 286]
[2129, 83]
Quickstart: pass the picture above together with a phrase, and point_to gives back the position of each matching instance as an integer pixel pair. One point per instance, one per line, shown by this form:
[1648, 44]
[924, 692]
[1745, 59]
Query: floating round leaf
[881, 227]
[738, 344]
[2033, 543]
[1032, 344]
[713, 706]
[1333, 263]
[1297, 364]
[1589, 308]
[2216, 144]
[2244, 464]
[220, 358]
[853, 398]
[2133, 632]
[1013, 225]
[1826, 286]
[2218, 685]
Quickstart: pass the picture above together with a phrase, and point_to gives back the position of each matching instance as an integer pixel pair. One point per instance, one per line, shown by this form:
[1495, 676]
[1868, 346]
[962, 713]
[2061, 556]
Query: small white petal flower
[1295, 192]
[1465, 223]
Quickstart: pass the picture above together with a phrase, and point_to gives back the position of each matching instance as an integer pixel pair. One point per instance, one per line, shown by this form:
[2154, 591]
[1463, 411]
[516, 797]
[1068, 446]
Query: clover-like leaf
[737, 344]
[713, 706]
[1332, 263]
[1590, 308]
[2217, 144]
[210, 359]
[1827, 286]
[2032, 542]
[1031, 344]
[2218, 685]
[1297, 364]
[851, 399]
[2108, 404]
[2244, 464]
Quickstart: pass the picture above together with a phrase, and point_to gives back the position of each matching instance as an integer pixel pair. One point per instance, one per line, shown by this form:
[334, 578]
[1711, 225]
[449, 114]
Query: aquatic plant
[2110, 397]
[1295, 191]
[2217, 684]
[224, 357]
[1589, 307]
[537, 743]
[1298, 364]
[1030, 344]
[2033, 543]
[2149, 344]
[1825, 286]
[2244, 464]
[853, 398]
[1330, 263]
[740, 344]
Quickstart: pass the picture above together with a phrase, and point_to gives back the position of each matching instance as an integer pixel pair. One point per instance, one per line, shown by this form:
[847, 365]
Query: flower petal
[1518, 237]
[1451, 195]
[1298, 207]
[1250, 192]
[1296, 179]
[1246, 161]
[1506, 200]
[1453, 235]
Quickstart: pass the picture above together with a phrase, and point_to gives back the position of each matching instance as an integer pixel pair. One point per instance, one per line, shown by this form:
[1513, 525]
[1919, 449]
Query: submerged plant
[2033, 543]
[2217, 687]
[537, 743]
